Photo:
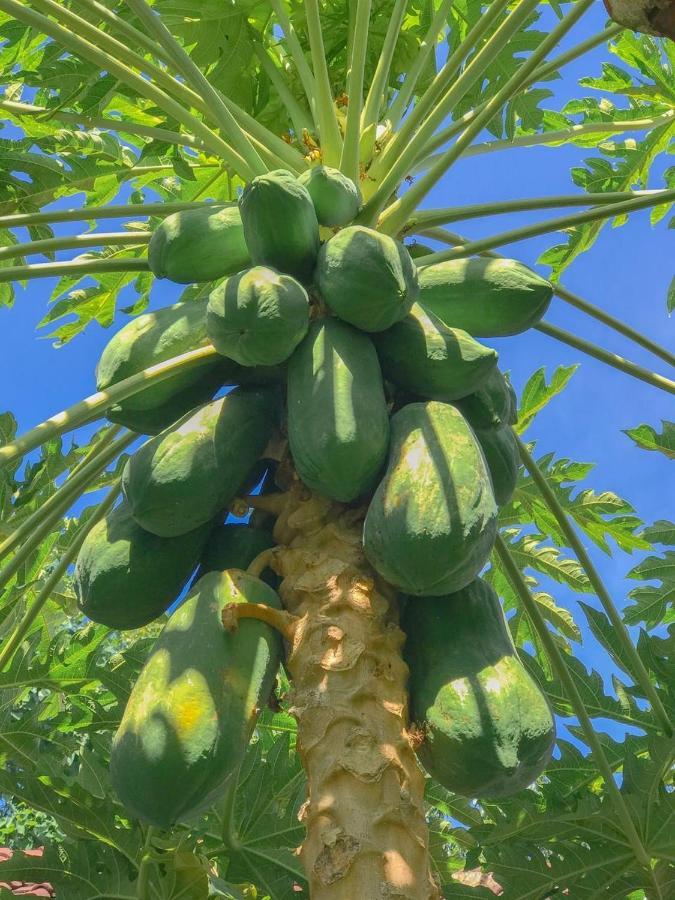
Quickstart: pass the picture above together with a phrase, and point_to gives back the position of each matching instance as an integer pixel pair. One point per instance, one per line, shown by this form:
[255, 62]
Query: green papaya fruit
[335, 197]
[367, 279]
[184, 476]
[489, 731]
[500, 449]
[235, 546]
[257, 317]
[194, 706]
[493, 404]
[432, 521]
[157, 418]
[152, 338]
[125, 577]
[338, 425]
[417, 249]
[280, 224]
[198, 245]
[486, 297]
[422, 355]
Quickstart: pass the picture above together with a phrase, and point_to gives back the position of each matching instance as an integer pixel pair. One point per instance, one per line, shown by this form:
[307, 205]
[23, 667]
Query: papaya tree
[304, 642]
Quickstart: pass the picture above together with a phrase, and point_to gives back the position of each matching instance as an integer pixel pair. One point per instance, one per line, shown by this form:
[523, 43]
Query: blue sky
[627, 273]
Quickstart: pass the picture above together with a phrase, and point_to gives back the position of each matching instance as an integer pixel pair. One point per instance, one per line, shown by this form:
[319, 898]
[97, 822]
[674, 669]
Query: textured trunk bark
[366, 832]
[649, 16]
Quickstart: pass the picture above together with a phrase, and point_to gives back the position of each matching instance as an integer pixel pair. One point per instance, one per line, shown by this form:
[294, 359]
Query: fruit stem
[571, 220]
[93, 266]
[349, 162]
[202, 86]
[329, 129]
[95, 405]
[147, 861]
[394, 217]
[450, 237]
[407, 89]
[515, 576]
[13, 641]
[610, 359]
[75, 485]
[639, 671]
[75, 242]
[282, 621]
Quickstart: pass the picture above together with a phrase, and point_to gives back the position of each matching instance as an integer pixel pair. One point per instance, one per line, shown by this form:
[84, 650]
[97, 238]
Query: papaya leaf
[653, 605]
[537, 394]
[670, 299]
[648, 438]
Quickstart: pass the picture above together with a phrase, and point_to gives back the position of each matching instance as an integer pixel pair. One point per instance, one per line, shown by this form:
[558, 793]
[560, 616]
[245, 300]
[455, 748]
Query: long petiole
[444, 78]
[120, 126]
[515, 576]
[377, 92]
[564, 135]
[82, 267]
[14, 640]
[87, 50]
[572, 220]
[428, 45]
[298, 56]
[541, 72]
[450, 237]
[91, 213]
[45, 521]
[349, 162]
[95, 405]
[296, 113]
[395, 215]
[200, 83]
[75, 242]
[77, 482]
[638, 669]
[611, 359]
[426, 218]
[329, 130]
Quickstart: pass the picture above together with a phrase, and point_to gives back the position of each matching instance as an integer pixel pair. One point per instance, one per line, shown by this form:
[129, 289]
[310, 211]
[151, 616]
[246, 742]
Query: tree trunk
[367, 836]
[649, 16]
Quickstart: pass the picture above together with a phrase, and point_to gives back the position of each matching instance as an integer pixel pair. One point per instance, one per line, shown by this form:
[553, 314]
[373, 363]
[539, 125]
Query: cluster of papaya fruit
[373, 370]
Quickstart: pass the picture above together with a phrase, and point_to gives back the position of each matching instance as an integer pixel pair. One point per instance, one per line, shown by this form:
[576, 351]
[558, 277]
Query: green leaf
[537, 394]
[653, 605]
[648, 438]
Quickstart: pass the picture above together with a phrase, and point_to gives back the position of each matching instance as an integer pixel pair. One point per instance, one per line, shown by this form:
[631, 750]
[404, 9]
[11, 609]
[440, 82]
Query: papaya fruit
[152, 338]
[366, 278]
[198, 245]
[338, 425]
[486, 297]
[235, 546]
[257, 317]
[335, 197]
[125, 577]
[493, 404]
[500, 449]
[488, 728]
[184, 476]
[193, 709]
[157, 418]
[422, 355]
[280, 224]
[432, 521]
